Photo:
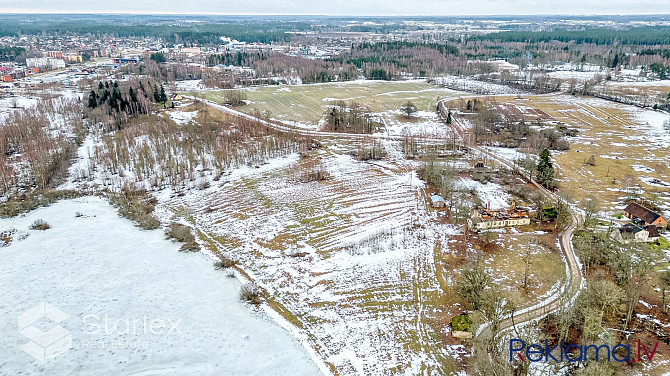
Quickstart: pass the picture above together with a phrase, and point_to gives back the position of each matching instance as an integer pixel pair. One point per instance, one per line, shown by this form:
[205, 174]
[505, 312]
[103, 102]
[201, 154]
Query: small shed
[653, 233]
[437, 201]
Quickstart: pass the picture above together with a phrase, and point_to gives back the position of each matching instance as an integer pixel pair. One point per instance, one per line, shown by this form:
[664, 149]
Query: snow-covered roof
[436, 198]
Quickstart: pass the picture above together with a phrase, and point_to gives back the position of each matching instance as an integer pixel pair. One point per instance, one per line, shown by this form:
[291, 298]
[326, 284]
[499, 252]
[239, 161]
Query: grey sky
[339, 7]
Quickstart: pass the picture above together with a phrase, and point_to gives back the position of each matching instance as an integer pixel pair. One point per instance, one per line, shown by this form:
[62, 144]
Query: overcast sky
[342, 7]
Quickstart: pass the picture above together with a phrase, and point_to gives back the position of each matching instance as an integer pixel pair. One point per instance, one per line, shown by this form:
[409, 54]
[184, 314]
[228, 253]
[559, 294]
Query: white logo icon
[47, 345]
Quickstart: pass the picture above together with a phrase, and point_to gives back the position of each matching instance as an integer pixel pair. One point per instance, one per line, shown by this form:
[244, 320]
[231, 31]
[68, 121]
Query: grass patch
[182, 234]
[30, 201]
[40, 224]
[251, 293]
[138, 206]
[662, 245]
[307, 103]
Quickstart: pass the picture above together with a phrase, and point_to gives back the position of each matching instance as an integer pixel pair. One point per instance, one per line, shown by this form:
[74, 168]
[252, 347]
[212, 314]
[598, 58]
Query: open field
[361, 245]
[647, 92]
[305, 104]
[338, 248]
[626, 141]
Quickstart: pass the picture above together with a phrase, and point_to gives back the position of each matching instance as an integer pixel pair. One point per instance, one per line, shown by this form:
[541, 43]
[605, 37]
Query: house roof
[630, 228]
[436, 198]
[641, 212]
[653, 231]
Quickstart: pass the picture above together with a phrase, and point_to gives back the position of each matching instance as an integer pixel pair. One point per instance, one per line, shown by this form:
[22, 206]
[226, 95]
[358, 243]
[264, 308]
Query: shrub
[33, 200]
[251, 293]
[461, 323]
[40, 224]
[138, 206]
[235, 97]
[182, 234]
[315, 174]
[225, 263]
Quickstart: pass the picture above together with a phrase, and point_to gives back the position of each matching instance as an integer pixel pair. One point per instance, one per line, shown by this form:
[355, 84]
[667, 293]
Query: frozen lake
[129, 302]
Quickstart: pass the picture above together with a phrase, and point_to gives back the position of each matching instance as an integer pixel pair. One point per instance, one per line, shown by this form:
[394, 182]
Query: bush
[138, 206]
[461, 323]
[182, 234]
[224, 263]
[33, 200]
[235, 97]
[315, 174]
[40, 224]
[251, 293]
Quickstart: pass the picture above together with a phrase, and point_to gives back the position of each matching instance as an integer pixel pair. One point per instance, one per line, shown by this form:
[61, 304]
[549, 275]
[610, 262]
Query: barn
[644, 216]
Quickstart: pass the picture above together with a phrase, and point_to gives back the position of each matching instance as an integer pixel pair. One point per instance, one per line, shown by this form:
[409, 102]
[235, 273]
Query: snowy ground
[15, 103]
[182, 117]
[490, 193]
[422, 123]
[338, 255]
[100, 264]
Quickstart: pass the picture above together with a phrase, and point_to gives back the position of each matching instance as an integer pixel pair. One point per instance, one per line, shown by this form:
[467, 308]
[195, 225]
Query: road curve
[574, 279]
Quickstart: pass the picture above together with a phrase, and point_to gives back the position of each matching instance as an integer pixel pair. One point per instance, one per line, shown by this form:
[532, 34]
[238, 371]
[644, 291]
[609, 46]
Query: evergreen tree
[100, 87]
[157, 96]
[92, 100]
[132, 95]
[162, 95]
[408, 109]
[615, 62]
[449, 120]
[545, 169]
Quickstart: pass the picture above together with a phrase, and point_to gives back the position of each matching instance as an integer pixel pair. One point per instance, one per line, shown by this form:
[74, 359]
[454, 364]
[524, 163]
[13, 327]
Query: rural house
[486, 218]
[644, 216]
[631, 233]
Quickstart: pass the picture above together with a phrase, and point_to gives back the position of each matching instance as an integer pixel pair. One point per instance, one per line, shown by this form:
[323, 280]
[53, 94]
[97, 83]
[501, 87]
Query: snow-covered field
[182, 117]
[340, 256]
[15, 103]
[422, 123]
[99, 267]
[491, 194]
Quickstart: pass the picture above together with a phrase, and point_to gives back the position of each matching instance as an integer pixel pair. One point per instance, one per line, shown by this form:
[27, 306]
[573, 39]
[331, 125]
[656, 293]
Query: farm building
[653, 233]
[643, 216]
[486, 218]
[437, 201]
[632, 233]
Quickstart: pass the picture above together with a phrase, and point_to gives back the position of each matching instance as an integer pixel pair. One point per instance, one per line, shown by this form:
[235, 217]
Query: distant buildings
[126, 60]
[485, 218]
[45, 62]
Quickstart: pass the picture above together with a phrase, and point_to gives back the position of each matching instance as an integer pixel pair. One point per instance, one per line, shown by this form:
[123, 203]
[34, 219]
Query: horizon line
[60, 12]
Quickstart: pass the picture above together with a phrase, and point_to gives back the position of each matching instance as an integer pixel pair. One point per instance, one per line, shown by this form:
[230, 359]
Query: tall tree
[474, 280]
[545, 169]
